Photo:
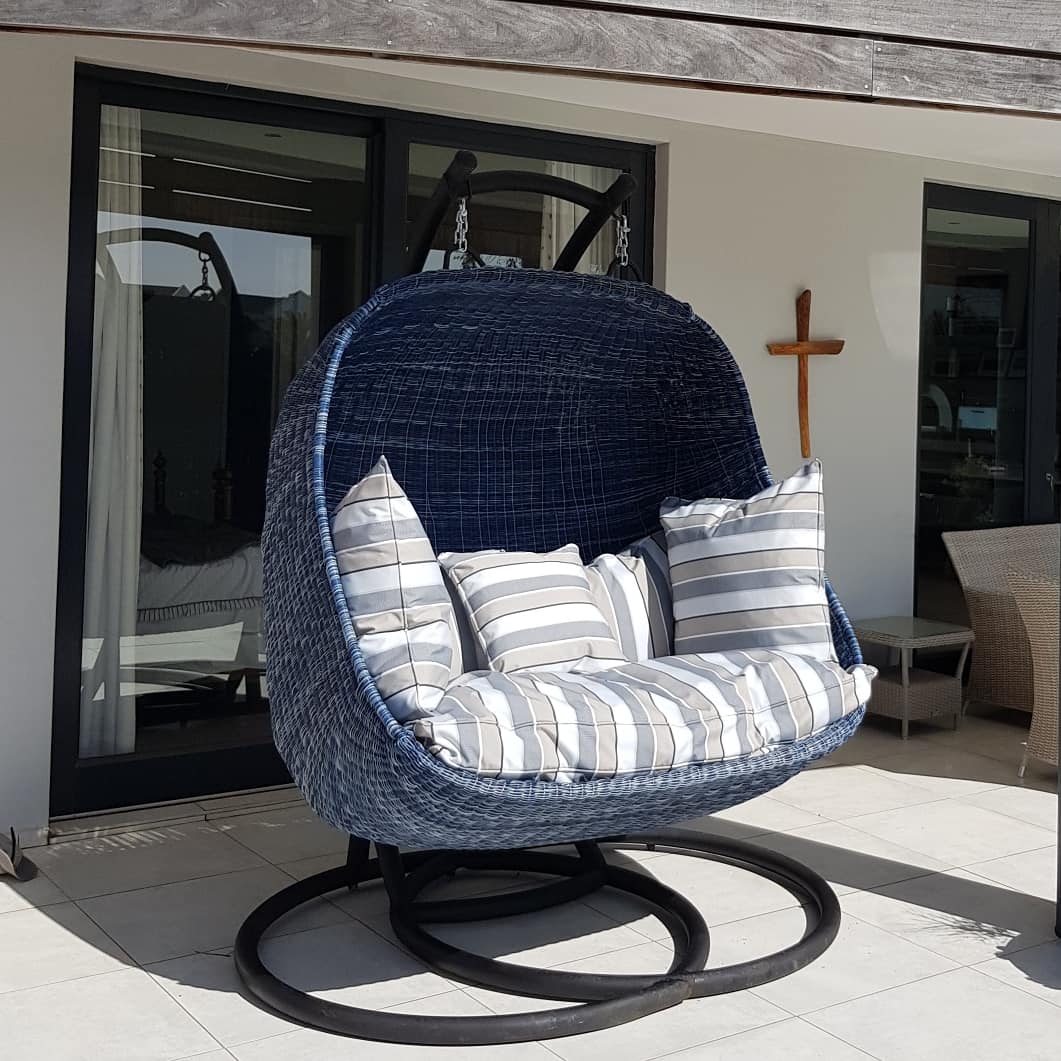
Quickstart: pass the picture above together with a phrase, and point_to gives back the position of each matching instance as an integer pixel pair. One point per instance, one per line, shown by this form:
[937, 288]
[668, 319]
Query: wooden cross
[803, 348]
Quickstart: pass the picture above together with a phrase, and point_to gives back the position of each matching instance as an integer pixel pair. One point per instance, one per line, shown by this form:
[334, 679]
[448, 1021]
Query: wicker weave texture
[1001, 670]
[522, 410]
[1037, 601]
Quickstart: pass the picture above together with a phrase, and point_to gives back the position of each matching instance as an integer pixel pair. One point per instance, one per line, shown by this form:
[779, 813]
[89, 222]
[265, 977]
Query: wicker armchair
[984, 561]
[1038, 603]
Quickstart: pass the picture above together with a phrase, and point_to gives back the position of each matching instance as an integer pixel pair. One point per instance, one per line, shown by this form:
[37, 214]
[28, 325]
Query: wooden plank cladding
[1017, 25]
[628, 38]
[941, 75]
[490, 31]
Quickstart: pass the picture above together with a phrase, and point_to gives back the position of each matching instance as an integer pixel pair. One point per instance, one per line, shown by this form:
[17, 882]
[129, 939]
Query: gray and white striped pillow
[531, 609]
[649, 717]
[402, 614]
[750, 574]
[632, 589]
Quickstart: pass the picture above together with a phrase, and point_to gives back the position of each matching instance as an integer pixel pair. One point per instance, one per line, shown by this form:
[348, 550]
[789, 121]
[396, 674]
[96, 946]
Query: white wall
[745, 221]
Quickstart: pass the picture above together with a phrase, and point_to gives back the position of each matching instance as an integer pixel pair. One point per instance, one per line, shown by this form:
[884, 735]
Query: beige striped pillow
[750, 574]
[530, 610]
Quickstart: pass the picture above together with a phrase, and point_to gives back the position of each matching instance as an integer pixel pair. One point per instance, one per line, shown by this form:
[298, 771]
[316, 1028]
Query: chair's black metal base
[607, 999]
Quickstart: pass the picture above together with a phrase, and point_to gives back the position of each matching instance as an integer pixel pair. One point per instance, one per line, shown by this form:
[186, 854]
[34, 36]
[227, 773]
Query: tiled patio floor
[943, 861]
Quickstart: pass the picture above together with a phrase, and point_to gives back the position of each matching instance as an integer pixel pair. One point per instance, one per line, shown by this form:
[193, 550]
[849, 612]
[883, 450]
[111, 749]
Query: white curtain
[112, 555]
[560, 219]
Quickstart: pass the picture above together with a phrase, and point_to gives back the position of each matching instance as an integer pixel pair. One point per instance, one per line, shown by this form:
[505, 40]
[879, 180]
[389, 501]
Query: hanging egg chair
[519, 410]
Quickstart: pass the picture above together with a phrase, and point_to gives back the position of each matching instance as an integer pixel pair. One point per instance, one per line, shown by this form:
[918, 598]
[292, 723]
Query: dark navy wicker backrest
[524, 409]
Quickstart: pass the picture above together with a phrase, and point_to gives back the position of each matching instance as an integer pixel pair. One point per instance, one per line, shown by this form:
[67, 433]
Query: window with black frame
[216, 237]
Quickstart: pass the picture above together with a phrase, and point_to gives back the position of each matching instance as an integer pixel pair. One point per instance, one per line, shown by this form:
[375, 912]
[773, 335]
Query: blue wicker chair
[521, 410]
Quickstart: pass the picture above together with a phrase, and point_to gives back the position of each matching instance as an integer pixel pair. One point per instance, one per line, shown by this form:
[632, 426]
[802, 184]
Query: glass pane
[510, 229]
[224, 250]
[974, 359]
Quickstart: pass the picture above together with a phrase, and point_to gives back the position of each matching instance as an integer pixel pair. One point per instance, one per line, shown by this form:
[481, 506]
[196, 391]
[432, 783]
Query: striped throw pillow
[402, 614]
[640, 718]
[749, 574]
[632, 589]
[531, 609]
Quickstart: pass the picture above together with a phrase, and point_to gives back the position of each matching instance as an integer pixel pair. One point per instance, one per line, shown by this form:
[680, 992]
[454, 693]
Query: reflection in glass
[974, 360]
[224, 249]
[510, 229]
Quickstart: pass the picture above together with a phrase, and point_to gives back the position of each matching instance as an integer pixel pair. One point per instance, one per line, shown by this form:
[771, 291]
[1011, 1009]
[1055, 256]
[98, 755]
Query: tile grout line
[132, 967]
[840, 1038]
[184, 1009]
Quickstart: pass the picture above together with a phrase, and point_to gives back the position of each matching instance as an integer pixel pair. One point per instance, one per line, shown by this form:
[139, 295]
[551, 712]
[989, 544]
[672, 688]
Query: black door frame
[93, 784]
[1044, 306]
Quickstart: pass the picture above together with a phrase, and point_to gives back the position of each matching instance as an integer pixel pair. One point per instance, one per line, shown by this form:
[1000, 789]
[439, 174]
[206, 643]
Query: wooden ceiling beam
[600, 39]
[1010, 25]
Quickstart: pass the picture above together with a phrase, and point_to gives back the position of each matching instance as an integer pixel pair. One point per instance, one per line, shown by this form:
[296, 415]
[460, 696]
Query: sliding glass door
[988, 423]
[215, 240]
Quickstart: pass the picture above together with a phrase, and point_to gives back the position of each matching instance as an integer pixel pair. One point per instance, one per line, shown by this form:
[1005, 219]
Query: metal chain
[461, 241]
[203, 259]
[622, 240]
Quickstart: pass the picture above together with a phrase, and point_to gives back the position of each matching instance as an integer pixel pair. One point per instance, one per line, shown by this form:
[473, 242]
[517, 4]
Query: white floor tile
[846, 791]
[122, 862]
[943, 771]
[762, 815]
[1030, 872]
[18, 895]
[1036, 970]
[350, 963]
[995, 739]
[961, 1014]
[563, 934]
[50, 945]
[849, 858]
[307, 1045]
[863, 959]
[208, 987]
[1031, 805]
[721, 892]
[791, 1040]
[154, 924]
[285, 834]
[953, 831]
[957, 914]
[122, 1016]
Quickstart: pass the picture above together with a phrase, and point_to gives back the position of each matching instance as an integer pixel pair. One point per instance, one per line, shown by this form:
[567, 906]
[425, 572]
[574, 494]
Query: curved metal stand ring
[607, 999]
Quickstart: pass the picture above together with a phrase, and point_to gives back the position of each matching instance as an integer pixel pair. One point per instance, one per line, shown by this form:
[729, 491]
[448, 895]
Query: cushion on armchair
[401, 612]
[751, 574]
[530, 610]
[638, 718]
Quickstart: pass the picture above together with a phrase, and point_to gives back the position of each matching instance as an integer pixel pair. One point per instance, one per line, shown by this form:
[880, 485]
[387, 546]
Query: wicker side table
[906, 692]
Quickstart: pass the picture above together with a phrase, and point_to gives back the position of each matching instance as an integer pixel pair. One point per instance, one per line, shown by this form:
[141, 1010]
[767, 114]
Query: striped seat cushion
[529, 610]
[632, 589]
[638, 718]
[749, 574]
[401, 612]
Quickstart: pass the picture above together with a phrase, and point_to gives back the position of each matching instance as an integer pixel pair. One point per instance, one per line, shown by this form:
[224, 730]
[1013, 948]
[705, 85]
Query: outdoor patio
[943, 860]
